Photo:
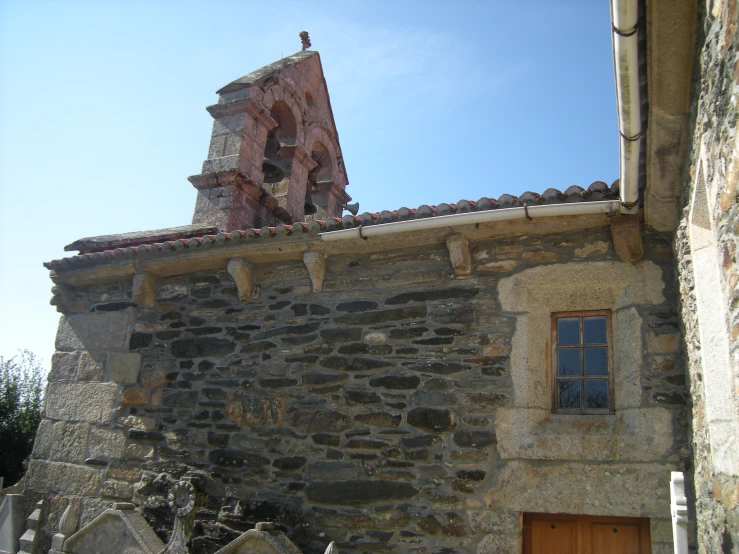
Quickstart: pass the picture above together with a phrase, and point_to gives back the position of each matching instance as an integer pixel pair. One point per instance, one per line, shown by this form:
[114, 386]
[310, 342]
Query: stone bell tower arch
[262, 160]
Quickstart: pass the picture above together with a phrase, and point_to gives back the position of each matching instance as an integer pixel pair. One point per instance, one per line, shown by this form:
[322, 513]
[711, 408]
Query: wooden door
[568, 534]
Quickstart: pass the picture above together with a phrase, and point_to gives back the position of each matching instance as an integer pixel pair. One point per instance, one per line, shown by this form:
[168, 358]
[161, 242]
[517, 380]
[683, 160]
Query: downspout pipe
[624, 22]
[608, 207]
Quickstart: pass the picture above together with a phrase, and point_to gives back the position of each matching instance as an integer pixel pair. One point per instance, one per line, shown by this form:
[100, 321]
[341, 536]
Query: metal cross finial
[305, 39]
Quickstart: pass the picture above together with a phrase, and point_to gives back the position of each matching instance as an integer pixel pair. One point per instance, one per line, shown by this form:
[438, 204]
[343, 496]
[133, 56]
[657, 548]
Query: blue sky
[102, 111]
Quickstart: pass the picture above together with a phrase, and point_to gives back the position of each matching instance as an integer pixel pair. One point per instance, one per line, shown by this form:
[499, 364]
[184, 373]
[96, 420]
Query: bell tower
[274, 154]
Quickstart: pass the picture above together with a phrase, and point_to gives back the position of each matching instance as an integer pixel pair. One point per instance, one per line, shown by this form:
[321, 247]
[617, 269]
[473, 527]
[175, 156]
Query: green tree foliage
[20, 411]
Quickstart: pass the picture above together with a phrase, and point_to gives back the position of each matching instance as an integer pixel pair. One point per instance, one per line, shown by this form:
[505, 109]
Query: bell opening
[272, 173]
[309, 208]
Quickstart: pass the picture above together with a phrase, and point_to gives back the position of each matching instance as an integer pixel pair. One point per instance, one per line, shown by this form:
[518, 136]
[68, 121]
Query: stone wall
[707, 245]
[403, 408]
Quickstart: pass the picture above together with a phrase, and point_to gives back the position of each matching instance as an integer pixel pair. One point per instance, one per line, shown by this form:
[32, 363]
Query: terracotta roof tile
[595, 192]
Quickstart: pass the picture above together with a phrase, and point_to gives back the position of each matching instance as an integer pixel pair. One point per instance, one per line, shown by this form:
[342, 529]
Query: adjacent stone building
[487, 376]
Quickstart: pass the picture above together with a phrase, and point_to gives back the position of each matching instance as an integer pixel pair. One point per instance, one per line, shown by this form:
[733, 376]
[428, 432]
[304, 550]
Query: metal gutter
[624, 21]
[607, 207]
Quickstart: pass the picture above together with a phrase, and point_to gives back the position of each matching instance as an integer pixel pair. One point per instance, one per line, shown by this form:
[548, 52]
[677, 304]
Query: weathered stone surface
[63, 366]
[634, 490]
[357, 306]
[139, 341]
[434, 398]
[139, 451]
[116, 489]
[106, 443]
[259, 346]
[88, 402]
[135, 396]
[124, 368]
[44, 439]
[631, 436]
[397, 382]
[364, 444]
[486, 398]
[362, 397]
[626, 234]
[138, 422]
[323, 378]
[457, 314]
[341, 335]
[180, 399]
[289, 463]
[248, 409]
[153, 379]
[663, 343]
[315, 263]
[359, 492]
[326, 439]
[62, 478]
[354, 363]
[277, 382]
[202, 347]
[378, 419]
[139, 435]
[432, 419]
[325, 421]
[237, 458]
[442, 368]
[69, 442]
[99, 331]
[459, 254]
[474, 438]
[432, 295]
[382, 316]
[121, 473]
[242, 272]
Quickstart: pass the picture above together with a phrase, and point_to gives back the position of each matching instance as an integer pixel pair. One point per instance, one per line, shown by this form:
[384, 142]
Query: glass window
[582, 376]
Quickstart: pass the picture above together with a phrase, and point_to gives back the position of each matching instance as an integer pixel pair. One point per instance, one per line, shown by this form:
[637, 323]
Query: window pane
[596, 393]
[568, 331]
[569, 393]
[568, 361]
[596, 361]
[594, 330]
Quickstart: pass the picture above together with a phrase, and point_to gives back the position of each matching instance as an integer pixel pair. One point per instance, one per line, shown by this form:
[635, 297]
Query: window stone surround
[528, 429]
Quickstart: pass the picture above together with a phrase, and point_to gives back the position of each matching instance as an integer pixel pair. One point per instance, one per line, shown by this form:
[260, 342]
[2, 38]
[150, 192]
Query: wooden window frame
[555, 379]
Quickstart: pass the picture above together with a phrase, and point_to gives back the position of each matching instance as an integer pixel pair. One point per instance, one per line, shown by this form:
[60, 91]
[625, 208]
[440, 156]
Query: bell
[309, 208]
[352, 208]
[270, 169]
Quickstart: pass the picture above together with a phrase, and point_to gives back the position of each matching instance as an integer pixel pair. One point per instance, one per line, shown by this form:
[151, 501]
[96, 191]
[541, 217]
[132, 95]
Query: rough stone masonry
[395, 410]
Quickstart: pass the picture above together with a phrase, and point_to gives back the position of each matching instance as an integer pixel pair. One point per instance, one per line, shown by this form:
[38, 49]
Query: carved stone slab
[258, 541]
[123, 529]
[11, 523]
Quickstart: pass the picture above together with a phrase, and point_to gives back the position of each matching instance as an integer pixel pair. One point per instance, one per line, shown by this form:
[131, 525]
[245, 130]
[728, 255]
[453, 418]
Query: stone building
[491, 375]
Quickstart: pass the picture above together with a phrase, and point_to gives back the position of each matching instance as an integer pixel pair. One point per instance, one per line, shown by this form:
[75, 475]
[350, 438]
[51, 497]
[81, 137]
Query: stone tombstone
[122, 528]
[11, 522]
[265, 539]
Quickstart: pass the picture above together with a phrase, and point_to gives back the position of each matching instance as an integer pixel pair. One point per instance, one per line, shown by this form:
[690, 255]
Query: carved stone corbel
[61, 295]
[144, 290]
[242, 272]
[459, 254]
[626, 234]
[315, 263]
